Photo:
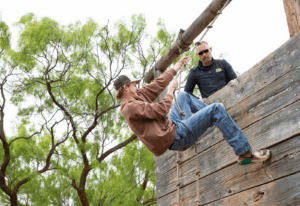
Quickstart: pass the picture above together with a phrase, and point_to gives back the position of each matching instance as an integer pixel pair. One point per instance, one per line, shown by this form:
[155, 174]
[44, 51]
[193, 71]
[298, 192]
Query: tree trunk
[163, 93]
[292, 10]
[188, 37]
[82, 196]
[81, 188]
[14, 200]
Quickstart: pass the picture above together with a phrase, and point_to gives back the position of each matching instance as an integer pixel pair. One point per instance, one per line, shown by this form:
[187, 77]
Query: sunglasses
[205, 51]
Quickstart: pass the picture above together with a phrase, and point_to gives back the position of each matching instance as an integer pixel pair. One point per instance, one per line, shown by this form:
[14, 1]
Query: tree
[10, 182]
[67, 72]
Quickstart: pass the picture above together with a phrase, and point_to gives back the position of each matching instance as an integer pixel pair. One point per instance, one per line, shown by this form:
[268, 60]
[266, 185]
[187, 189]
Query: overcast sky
[246, 32]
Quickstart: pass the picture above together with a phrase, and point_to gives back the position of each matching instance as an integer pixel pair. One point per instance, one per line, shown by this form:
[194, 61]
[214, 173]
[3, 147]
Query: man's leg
[188, 104]
[208, 116]
[215, 114]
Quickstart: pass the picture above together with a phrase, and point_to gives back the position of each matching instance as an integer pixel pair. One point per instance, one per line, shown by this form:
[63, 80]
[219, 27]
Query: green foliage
[4, 36]
[66, 73]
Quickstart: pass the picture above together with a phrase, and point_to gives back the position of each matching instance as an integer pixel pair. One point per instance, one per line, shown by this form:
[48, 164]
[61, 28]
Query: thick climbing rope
[182, 114]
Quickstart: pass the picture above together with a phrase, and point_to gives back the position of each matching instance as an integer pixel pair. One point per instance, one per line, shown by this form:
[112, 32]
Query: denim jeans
[188, 132]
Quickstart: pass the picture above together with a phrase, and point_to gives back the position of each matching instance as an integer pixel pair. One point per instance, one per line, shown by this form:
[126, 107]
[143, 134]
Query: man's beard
[210, 58]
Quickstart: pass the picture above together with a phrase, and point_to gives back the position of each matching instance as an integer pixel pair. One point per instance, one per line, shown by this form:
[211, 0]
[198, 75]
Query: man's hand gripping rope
[174, 84]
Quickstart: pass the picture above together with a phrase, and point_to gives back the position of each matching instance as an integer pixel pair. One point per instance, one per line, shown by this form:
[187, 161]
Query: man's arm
[229, 72]
[153, 89]
[158, 85]
[190, 84]
[144, 110]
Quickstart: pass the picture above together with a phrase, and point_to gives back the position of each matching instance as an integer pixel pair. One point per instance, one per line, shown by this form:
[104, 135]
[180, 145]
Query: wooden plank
[263, 134]
[272, 98]
[188, 37]
[278, 193]
[235, 179]
[265, 73]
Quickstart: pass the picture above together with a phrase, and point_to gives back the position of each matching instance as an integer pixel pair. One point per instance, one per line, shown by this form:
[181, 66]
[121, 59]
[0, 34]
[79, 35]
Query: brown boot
[252, 156]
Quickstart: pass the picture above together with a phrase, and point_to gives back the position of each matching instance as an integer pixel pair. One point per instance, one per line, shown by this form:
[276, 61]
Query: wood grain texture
[292, 11]
[261, 75]
[263, 134]
[283, 192]
[236, 179]
[265, 105]
[205, 18]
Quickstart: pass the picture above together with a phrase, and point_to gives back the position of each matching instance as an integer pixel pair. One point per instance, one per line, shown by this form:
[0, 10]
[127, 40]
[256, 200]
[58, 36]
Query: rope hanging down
[182, 48]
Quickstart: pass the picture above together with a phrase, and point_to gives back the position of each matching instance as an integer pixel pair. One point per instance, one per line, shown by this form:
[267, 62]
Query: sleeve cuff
[171, 97]
[173, 71]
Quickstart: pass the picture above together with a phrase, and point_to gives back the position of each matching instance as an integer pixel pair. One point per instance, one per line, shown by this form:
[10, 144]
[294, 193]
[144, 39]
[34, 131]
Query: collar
[135, 98]
[200, 65]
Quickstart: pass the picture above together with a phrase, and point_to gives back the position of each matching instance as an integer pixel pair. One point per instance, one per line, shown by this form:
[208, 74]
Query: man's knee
[183, 95]
[219, 106]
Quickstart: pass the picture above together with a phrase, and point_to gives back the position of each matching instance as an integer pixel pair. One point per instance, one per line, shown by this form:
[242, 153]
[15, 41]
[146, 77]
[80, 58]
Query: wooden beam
[292, 11]
[188, 37]
[235, 179]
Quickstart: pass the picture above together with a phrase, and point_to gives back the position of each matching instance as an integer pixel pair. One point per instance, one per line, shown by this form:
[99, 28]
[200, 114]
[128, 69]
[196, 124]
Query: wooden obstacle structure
[265, 105]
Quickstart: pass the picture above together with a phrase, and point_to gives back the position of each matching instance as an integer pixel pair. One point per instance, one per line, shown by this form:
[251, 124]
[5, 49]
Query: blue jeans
[188, 132]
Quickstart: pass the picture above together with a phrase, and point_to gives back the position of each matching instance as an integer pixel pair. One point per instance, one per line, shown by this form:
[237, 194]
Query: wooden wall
[265, 105]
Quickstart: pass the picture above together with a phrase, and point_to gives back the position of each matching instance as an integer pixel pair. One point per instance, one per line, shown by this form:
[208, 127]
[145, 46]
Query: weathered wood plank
[278, 193]
[270, 99]
[188, 37]
[271, 68]
[285, 160]
[292, 11]
[263, 134]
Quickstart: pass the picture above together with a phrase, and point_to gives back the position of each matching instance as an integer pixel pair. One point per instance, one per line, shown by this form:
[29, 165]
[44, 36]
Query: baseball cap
[123, 79]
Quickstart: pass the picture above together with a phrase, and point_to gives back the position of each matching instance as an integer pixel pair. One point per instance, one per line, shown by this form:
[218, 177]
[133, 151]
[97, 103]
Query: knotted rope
[182, 46]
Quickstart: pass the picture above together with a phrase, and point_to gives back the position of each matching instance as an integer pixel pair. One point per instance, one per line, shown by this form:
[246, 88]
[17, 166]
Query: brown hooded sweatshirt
[147, 119]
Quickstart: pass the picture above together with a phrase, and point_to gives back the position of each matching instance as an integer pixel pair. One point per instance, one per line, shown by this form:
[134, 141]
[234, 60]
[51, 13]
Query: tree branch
[119, 146]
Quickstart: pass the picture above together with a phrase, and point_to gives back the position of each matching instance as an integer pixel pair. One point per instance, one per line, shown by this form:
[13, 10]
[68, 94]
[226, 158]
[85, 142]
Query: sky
[246, 32]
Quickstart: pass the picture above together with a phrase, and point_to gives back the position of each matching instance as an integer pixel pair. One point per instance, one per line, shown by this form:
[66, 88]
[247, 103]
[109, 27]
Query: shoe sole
[250, 160]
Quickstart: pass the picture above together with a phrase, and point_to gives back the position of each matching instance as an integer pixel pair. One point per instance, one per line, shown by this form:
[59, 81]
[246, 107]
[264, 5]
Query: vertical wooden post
[163, 93]
[292, 10]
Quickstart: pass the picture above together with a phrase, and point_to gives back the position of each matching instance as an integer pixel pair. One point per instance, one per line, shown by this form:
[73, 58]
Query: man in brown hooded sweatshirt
[159, 133]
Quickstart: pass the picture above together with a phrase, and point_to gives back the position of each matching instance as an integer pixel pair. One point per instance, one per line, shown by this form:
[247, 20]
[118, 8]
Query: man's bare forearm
[179, 64]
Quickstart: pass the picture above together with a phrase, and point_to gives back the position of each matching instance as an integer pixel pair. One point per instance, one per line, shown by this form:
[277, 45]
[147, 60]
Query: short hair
[201, 42]
[120, 92]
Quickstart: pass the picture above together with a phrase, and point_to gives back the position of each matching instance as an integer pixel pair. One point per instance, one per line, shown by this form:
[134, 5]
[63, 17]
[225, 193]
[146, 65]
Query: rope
[178, 183]
[181, 45]
[210, 26]
[182, 48]
[198, 173]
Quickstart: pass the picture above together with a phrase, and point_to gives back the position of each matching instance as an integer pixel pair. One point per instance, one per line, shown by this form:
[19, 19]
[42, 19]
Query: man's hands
[203, 99]
[179, 64]
[233, 82]
[172, 86]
